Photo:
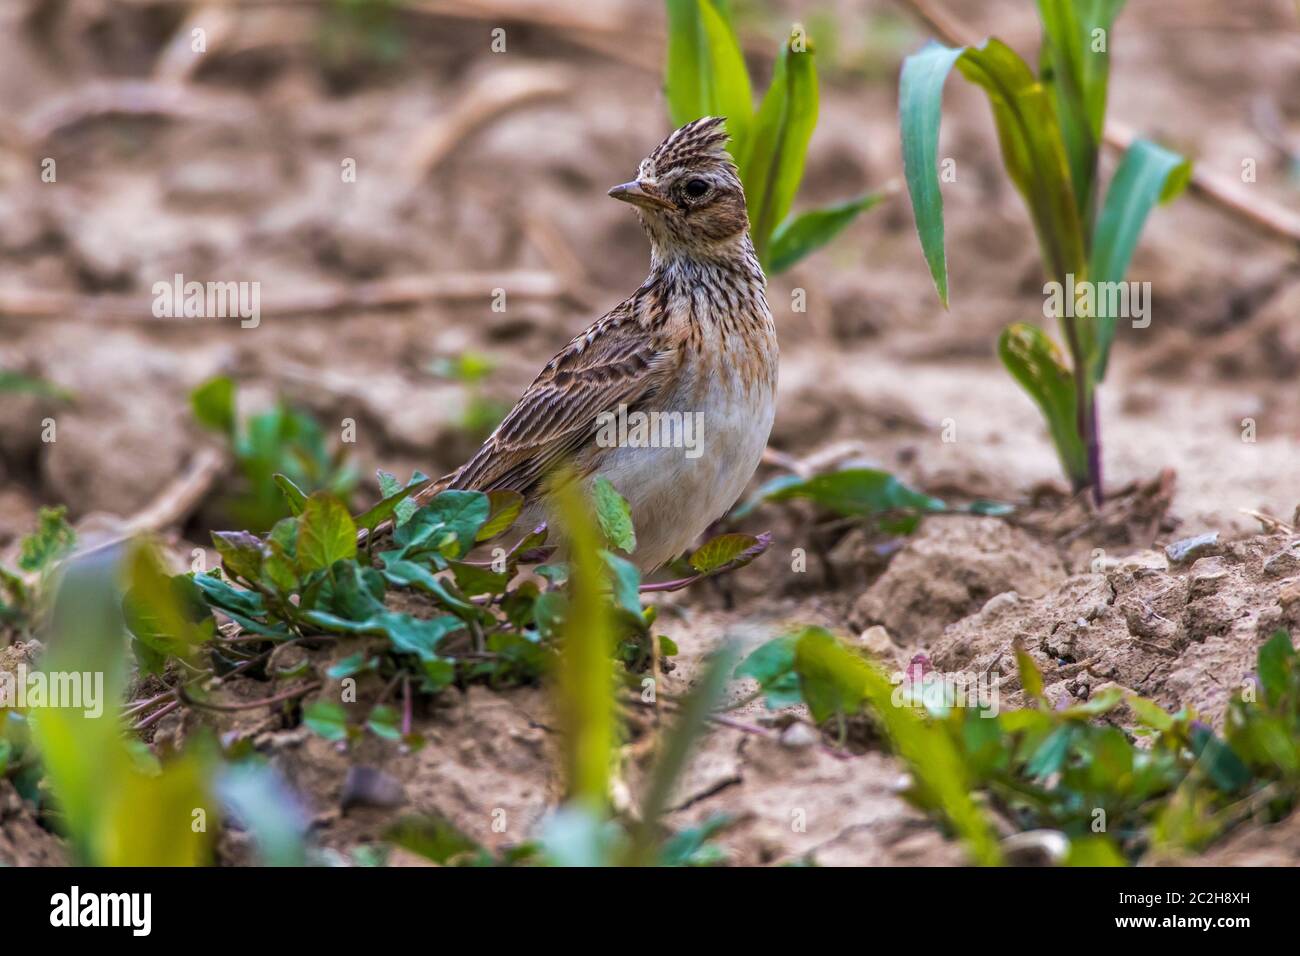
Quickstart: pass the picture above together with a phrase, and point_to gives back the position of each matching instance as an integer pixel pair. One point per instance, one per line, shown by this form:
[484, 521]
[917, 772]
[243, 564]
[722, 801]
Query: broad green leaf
[613, 515]
[773, 160]
[213, 403]
[462, 513]
[920, 105]
[858, 492]
[504, 508]
[241, 553]
[772, 666]
[626, 581]
[807, 232]
[419, 636]
[1146, 175]
[384, 721]
[473, 580]
[394, 503]
[1036, 363]
[410, 574]
[327, 719]
[726, 551]
[326, 533]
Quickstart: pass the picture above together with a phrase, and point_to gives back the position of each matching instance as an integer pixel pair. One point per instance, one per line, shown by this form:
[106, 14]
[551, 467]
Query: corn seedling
[706, 76]
[1049, 126]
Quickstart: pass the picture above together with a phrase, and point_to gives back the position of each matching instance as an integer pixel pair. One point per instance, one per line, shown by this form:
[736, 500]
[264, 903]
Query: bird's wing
[613, 362]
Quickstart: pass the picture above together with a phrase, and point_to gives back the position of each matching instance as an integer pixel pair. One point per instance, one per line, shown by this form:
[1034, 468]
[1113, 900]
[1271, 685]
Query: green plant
[866, 493]
[280, 440]
[1170, 784]
[38, 553]
[706, 75]
[1050, 129]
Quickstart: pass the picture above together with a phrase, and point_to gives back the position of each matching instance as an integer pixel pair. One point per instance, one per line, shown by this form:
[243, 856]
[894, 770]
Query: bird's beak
[639, 195]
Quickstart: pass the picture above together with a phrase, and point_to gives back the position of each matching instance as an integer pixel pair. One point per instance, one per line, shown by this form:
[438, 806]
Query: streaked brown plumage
[697, 336]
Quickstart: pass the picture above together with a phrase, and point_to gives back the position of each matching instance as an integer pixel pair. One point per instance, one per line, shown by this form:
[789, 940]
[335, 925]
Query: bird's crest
[700, 141]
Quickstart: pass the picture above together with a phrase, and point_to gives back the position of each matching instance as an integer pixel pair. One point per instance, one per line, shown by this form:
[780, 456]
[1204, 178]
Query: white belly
[675, 493]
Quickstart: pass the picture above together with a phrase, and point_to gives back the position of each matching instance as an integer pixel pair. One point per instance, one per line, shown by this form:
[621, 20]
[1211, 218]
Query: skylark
[695, 343]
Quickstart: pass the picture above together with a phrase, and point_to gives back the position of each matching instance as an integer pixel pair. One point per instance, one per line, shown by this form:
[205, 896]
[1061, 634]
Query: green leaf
[213, 403]
[52, 539]
[939, 775]
[327, 719]
[1146, 175]
[1076, 69]
[473, 580]
[1221, 765]
[1037, 364]
[1094, 850]
[772, 666]
[773, 160]
[729, 92]
[1032, 151]
[807, 232]
[326, 533]
[626, 580]
[614, 515]
[462, 513]
[384, 721]
[412, 575]
[857, 492]
[503, 509]
[294, 495]
[351, 665]
[241, 553]
[167, 614]
[705, 73]
[584, 698]
[1277, 662]
[11, 381]
[920, 105]
[680, 740]
[726, 552]
[413, 635]
[1031, 678]
[394, 503]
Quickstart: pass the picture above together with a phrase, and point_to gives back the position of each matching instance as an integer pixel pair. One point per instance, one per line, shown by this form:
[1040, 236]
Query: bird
[695, 343]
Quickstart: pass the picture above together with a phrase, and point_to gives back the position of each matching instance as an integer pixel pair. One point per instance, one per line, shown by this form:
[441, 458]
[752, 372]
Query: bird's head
[688, 194]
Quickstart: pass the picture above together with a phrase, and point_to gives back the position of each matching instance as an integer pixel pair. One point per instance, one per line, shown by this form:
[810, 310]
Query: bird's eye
[696, 188]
